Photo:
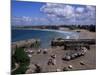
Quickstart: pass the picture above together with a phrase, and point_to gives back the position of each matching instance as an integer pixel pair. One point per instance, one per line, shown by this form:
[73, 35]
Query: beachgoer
[39, 51]
[53, 56]
[54, 61]
[45, 51]
[82, 63]
[70, 66]
[38, 69]
[50, 61]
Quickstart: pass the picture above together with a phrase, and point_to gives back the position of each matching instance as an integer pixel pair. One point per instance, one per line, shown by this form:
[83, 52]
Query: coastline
[52, 30]
[83, 34]
[67, 34]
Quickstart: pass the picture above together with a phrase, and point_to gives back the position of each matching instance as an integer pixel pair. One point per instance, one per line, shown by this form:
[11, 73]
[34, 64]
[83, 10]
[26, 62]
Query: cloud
[80, 9]
[58, 10]
[26, 20]
[91, 11]
[69, 14]
[86, 15]
[59, 14]
[91, 8]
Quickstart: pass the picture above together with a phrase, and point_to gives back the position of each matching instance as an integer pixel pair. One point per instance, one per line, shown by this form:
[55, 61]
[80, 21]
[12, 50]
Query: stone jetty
[24, 43]
[73, 43]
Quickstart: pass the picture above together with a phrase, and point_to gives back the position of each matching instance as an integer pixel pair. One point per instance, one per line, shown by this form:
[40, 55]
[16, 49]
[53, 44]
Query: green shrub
[22, 59]
[21, 56]
[21, 70]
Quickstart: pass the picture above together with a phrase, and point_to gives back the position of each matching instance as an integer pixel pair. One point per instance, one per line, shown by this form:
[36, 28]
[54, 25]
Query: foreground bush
[22, 59]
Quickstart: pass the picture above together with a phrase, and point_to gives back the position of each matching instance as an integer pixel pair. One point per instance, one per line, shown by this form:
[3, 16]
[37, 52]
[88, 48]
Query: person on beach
[38, 69]
[52, 60]
[53, 56]
[45, 51]
[39, 51]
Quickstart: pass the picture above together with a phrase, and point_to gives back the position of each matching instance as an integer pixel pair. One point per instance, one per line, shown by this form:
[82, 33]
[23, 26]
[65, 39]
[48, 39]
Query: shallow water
[44, 35]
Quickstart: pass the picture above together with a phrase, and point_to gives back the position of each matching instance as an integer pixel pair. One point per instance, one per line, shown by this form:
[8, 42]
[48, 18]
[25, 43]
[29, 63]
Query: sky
[40, 13]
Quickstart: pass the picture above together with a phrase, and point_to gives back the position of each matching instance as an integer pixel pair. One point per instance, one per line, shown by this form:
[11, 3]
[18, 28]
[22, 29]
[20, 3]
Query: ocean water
[45, 36]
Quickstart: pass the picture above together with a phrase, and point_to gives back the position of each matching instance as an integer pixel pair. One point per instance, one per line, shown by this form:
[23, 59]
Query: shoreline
[83, 34]
[52, 30]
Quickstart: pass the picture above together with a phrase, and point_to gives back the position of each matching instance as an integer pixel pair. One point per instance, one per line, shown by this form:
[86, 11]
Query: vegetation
[13, 63]
[22, 59]
[91, 27]
[21, 70]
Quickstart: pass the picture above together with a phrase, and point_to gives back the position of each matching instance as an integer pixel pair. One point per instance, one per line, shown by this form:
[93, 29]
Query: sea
[45, 36]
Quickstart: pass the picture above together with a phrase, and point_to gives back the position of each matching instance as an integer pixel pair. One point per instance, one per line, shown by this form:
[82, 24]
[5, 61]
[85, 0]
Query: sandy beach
[89, 59]
[85, 34]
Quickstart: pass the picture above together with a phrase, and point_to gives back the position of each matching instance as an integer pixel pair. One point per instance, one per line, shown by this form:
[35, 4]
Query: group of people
[52, 60]
[44, 51]
[31, 51]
